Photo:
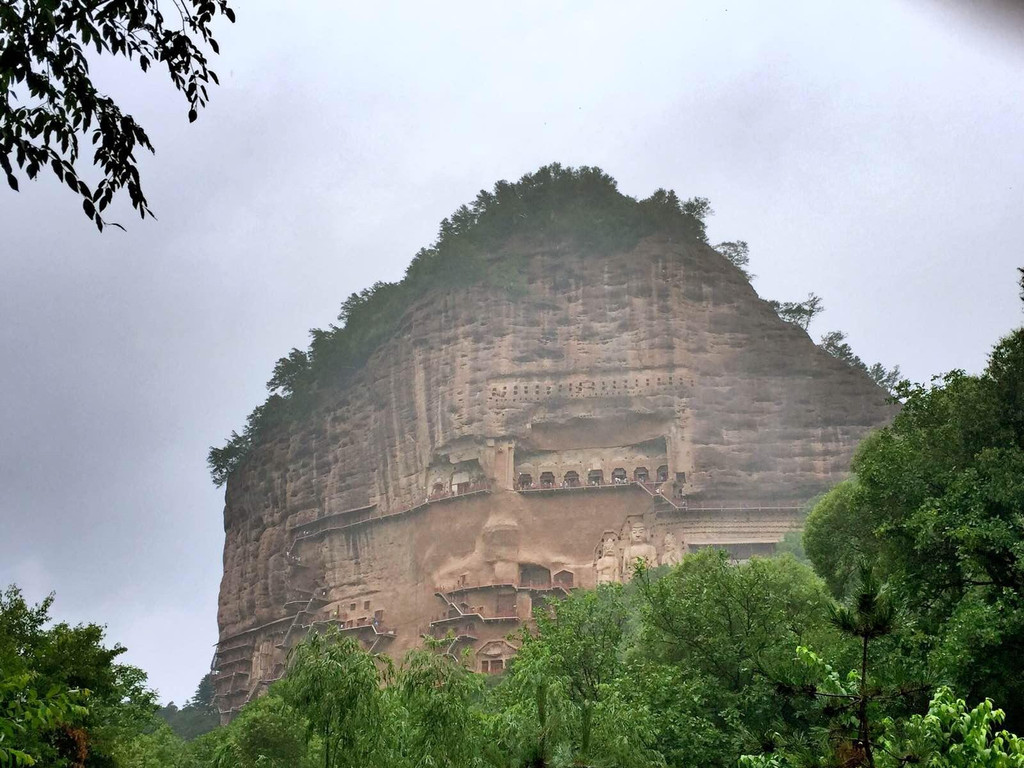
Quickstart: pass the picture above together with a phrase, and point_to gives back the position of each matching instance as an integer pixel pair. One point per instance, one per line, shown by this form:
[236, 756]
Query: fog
[870, 153]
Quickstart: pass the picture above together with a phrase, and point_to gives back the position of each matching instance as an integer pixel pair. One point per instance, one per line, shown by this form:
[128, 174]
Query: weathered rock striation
[504, 447]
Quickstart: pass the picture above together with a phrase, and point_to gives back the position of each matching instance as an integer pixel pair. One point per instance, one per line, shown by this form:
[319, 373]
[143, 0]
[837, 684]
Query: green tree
[268, 733]
[738, 254]
[440, 724]
[835, 539]
[49, 103]
[202, 751]
[288, 372]
[563, 673]
[851, 731]
[59, 664]
[870, 614]
[699, 208]
[198, 716]
[729, 630]
[886, 378]
[799, 313]
[950, 735]
[937, 501]
[28, 720]
[335, 685]
[834, 342]
[159, 748]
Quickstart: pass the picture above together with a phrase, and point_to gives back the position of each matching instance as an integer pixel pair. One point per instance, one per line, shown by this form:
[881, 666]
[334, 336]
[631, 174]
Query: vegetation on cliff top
[579, 205]
[582, 206]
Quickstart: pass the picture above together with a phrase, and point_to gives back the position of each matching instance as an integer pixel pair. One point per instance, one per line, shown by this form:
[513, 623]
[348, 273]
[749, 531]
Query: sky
[871, 153]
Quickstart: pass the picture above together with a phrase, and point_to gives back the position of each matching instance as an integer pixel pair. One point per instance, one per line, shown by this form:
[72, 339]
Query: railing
[513, 615]
[656, 492]
[311, 530]
[477, 487]
[570, 484]
[250, 631]
[360, 513]
[526, 586]
[459, 639]
[651, 487]
[376, 628]
[465, 586]
[460, 614]
[656, 489]
[743, 506]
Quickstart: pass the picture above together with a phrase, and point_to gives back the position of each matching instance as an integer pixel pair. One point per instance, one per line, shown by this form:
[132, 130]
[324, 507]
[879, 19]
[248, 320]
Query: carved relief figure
[494, 559]
[607, 565]
[500, 549]
[672, 554]
[639, 548]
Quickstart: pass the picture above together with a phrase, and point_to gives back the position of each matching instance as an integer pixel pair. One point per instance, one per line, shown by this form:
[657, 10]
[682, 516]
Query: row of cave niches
[594, 478]
[531, 392]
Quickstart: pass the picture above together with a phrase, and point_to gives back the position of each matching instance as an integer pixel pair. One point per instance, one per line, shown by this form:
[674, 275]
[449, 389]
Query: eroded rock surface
[505, 446]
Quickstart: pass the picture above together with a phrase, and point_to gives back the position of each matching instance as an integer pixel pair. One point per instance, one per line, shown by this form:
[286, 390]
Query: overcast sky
[870, 152]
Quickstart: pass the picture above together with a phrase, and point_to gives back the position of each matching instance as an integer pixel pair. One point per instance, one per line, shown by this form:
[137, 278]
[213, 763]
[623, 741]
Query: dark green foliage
[289, 373]
[435, 701]
[869, 614]
[730, 631]
[336, 686]
[834, 342]
[738, 254]
[886, 378]
[30, 720]
[48, 101]
[799, 313]
[570, 697]
[197, 717]
[938, 503]
[93, 701]
[270, 733]
[479, 243]
[578, 646]
[836, 540]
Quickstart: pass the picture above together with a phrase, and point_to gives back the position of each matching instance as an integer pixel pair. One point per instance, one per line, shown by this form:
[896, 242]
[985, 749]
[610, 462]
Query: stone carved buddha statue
[672, 553]
[638, 549]
[499, 548]
[607, 565]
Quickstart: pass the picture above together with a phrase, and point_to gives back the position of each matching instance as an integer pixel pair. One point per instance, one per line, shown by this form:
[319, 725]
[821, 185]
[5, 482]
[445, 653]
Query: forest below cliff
[890, 632]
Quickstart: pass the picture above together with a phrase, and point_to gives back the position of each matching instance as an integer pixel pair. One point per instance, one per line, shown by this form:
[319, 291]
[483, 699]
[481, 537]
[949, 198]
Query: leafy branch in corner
[49, 103]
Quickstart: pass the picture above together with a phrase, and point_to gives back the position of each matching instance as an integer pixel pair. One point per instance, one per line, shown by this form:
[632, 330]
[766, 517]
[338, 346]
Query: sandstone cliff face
[427, 494]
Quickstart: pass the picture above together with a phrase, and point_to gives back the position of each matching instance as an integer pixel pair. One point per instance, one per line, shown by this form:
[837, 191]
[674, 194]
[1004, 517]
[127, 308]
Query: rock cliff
[510, 442]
